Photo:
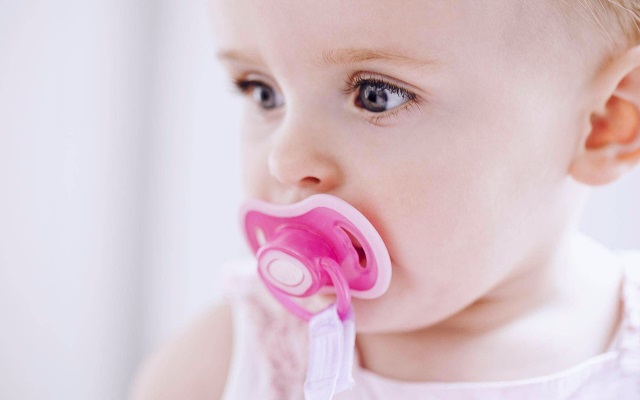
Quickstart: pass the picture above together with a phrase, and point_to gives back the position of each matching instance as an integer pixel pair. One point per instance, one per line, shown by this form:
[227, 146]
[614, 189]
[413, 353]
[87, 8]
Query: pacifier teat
[319, 245]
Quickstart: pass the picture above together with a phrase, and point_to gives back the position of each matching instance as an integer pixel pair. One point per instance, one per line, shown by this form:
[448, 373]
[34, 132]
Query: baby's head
[467, 132]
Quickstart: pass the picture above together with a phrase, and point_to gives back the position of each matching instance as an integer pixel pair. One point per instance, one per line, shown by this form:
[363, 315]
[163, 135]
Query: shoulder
[193, 365]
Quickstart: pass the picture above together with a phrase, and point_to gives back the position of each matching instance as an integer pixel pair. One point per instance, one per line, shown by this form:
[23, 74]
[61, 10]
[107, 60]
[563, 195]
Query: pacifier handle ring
[341, 285]
[338, 280]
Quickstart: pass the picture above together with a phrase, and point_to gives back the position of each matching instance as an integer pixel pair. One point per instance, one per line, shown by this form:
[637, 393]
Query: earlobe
[612, 144]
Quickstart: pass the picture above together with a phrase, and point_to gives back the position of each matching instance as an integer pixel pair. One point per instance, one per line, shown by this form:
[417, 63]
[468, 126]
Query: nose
[302, 159]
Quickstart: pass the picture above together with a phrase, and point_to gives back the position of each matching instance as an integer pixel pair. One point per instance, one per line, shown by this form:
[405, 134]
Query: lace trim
[283, 343]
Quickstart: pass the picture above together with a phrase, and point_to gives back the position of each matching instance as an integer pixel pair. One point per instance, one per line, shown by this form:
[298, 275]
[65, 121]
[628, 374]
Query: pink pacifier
[307, 246]
[319, 245]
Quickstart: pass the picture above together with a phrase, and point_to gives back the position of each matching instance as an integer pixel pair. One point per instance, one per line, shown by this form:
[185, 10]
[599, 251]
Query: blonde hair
[618, 20]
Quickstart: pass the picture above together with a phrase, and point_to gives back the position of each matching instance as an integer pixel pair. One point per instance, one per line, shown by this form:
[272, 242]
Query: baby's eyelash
[355, 83]
[242, 85]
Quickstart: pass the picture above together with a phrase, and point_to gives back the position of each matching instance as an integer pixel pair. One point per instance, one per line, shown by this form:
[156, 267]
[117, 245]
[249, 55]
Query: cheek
[255, 171]
[460, 216]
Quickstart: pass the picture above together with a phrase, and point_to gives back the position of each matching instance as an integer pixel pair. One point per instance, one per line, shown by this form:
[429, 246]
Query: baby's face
[449, 124]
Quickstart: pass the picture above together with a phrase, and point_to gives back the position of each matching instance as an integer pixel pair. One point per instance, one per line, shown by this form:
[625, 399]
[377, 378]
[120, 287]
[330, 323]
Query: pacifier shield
[290, 240]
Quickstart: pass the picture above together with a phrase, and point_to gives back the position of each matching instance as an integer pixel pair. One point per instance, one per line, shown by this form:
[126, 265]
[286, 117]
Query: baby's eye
[378, 96]
[262, 94]
[374, 95]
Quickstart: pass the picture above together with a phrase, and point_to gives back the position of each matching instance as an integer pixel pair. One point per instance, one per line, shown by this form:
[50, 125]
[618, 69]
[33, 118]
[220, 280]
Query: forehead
[508, 39]
[281, 28]
[328, 21]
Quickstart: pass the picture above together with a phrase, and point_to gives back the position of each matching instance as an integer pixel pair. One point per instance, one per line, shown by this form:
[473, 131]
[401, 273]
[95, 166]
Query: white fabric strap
[331, 350]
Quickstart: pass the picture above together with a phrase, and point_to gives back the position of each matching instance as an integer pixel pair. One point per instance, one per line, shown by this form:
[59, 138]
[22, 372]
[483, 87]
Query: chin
[371, 318]
[378, 316]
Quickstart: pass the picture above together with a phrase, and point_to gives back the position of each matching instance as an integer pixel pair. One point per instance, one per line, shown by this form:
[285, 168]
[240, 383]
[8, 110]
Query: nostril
[310, 181]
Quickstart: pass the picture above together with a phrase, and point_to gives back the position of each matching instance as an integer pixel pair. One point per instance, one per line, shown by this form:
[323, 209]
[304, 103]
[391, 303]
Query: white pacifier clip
[331, 351]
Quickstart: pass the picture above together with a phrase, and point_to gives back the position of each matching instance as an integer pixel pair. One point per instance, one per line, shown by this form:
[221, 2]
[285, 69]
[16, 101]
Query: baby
[469, 133]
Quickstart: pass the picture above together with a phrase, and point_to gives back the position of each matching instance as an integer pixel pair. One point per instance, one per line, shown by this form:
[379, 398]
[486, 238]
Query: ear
[611, 147]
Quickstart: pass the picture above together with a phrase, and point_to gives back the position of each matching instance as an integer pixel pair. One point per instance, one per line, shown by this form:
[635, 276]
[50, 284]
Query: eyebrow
[237, 56]
[344, 56]
[355, 56]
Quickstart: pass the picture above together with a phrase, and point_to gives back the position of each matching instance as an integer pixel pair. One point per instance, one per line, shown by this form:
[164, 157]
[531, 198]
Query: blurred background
[119, 188]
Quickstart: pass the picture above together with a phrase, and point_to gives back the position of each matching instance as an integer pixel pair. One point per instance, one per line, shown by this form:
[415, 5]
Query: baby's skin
[470, 134]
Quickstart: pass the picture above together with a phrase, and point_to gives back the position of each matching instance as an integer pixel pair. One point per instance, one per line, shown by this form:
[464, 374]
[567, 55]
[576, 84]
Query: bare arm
[194, 365]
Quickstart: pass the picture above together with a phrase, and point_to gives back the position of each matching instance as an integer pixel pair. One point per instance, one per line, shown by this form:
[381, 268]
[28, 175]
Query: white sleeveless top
[270, 353]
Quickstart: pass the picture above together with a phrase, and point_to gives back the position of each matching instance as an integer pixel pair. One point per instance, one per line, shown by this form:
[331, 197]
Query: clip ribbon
[331, 351]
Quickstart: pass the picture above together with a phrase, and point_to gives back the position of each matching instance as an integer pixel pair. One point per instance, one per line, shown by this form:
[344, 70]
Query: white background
[119, 187]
